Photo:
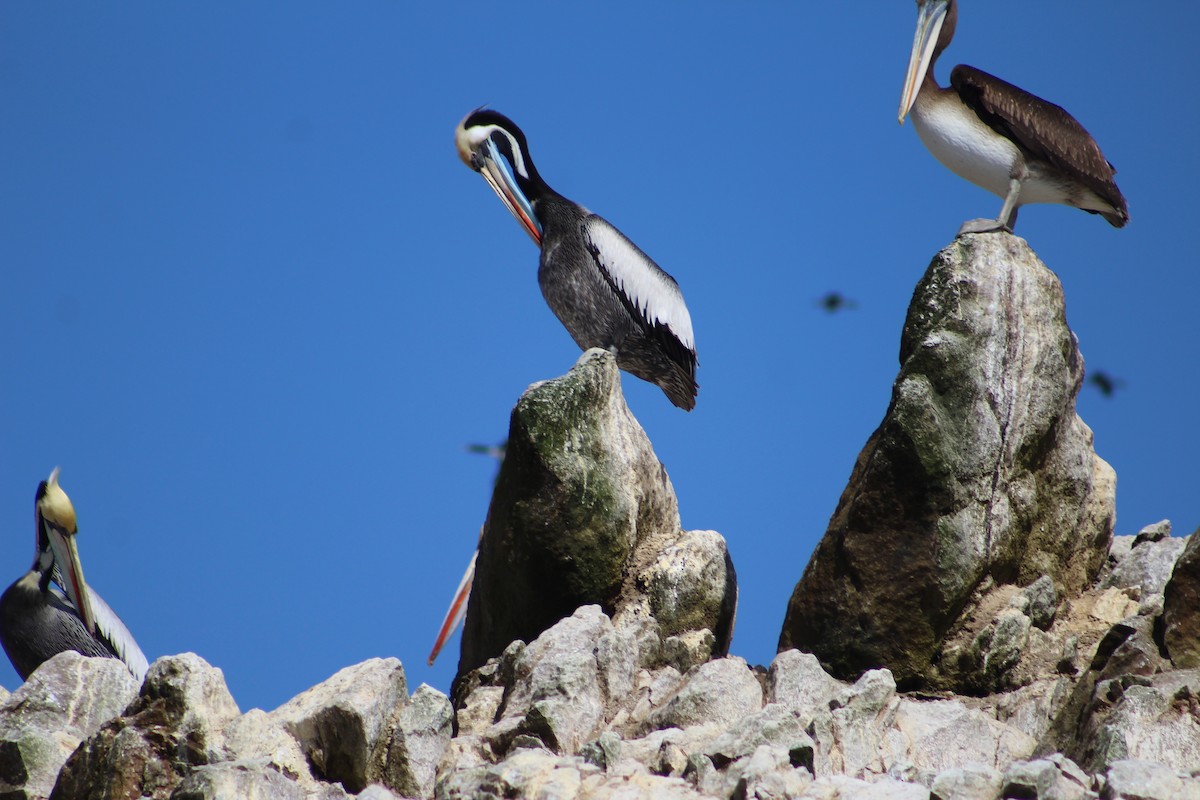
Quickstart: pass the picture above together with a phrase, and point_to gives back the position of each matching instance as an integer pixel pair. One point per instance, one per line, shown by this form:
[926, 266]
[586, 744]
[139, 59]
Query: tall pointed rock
[583, 513]
[981, 478]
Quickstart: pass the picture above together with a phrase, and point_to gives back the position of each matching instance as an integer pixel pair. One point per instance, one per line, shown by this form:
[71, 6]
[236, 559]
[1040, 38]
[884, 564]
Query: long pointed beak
[494, 169]
[930, 16]
[457, 610]
[67, 558]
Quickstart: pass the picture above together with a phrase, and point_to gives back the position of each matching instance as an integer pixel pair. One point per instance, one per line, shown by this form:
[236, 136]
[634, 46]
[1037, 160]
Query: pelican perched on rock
[606, 291]
[1000, 137]
[39, 619]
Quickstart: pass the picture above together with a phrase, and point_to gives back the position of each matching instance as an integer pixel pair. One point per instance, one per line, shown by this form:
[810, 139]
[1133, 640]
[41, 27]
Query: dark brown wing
[1044, 130]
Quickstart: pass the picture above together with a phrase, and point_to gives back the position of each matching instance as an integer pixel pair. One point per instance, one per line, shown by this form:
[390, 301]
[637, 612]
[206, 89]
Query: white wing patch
[109, 625]
[652, 291]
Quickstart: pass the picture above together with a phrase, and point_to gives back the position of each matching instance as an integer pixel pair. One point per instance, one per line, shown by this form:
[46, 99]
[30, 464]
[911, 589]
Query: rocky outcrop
[593, 708]
[65, 701]
[583, 512]
[1078, 683]
[978, 505]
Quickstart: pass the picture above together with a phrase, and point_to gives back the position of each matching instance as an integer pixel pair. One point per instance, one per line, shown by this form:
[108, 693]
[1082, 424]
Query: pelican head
[931, 38]
[57, 554]
[492, 145]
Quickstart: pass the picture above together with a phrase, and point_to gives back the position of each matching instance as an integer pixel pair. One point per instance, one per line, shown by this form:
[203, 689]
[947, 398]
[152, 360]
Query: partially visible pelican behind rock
[51, 608]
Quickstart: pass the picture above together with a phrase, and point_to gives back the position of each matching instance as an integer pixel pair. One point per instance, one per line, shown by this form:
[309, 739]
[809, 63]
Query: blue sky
[255, 307]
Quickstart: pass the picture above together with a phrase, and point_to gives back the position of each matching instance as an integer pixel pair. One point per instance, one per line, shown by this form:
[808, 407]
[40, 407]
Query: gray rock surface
[343, 725]
[592, 708]
[583, 513]
[175, 724]
[421, 735]
[65, 701]
[981, 475]
[1181, 607]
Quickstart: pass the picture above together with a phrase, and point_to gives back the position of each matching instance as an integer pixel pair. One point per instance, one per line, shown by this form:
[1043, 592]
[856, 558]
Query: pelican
[39, 620]
[606, 291]
[1000, 137]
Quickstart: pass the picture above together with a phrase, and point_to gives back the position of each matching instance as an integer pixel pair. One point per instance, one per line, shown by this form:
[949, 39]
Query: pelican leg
[1008, 214]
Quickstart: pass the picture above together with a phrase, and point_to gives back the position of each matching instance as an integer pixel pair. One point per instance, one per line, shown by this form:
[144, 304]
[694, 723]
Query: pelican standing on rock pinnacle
[39, 620]
[1000, 137]
[606, 291]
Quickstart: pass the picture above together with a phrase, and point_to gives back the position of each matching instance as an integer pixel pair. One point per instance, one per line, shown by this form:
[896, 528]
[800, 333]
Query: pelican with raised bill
[1000, 137]
[51, 608]
[607, 292]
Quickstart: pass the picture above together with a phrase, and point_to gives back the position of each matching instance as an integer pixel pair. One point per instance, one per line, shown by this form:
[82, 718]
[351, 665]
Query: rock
[245, 781]
[604, 752]
[766, 773]
[1147, 566]
[556, 693]
[972, 782]
[835, 787]
[420, 739]
[1153, 533]
[1040, 602]
[981, 469]
[776, 727]
[1141, 780]
[1045, 780]
[795, 680]
[175, 724]
[1181, 607]
[377, 792]
[258, 738]
[343, 725]
[690, 584]
[583, 513]
[1149, 718]
[936, 735]
[527, 773]
[722, 691]
[65, 701]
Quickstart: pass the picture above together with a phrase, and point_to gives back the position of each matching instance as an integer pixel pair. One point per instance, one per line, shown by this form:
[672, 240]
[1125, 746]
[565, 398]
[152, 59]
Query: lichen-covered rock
[583, 513]
[175, 724]
[1181, 608]
[344, 724]
[980, 469]
[65, 700]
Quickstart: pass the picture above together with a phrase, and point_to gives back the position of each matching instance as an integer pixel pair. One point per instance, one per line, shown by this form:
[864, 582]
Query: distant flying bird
[1105, 383]
[52, 609]
[606, 291]
[1000, 137]
[496, 451]
[836, 301]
